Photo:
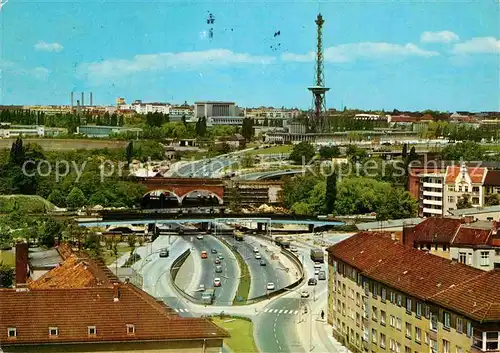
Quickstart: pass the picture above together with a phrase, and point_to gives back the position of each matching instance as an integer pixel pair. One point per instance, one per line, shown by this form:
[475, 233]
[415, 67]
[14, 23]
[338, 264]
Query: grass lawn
[7, 257]
[241, 332]
[273, 149]
[245, 280]
[25, 204]
[109, 257]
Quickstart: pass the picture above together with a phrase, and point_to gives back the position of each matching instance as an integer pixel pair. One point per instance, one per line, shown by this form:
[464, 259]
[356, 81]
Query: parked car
[201, 288]
[270, 286]
[204, 254]
[164, 253]
[257, 256]
[316, 271]
[322, 275]
[217, 261]
[213, 251]
[293, 248]
[217, 282]
[199, 237]
[304, 294]
[262, 263]
[220, 257]
[255, 250]
[312, 281]
[218, 269]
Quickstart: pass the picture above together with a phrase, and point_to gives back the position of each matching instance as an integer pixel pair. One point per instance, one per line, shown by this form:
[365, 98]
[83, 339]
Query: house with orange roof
[80, 306]
[463, 181]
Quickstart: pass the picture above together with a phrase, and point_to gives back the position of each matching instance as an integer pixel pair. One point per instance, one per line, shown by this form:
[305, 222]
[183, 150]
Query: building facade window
[419, 309]
[374, 336]
[382, 317]
[382, 340]
[469, 329]
[383, 294]
[485, 258]
[408, 305]
[399, 299]
[451, 199]
[11, 332]
[92, 330]
[130, 329]
[393, 298]
[446, 346]
[460, 324]
[462, 257]
[434, 322]
[53, 331]
[408, 330]
[418, 334]
[433, 345]
[446, 319]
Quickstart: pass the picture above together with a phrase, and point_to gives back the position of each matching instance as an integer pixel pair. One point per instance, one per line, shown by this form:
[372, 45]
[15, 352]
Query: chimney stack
[408, 236]
[78, 102]
[71, 99]
[90, 98]
[116, 292]
[83, 99]
[21, 265]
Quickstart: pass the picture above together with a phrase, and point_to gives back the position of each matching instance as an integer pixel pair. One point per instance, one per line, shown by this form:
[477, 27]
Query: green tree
[234, 199]
[51, 230]
[6, 276]
[247, 161]
[131, 240]
[467, 151]
[75, 198]
[201, 127]
[327, 152]
[129, 152]
[93, 245]
[247, 129]
[355, 153]
[464, 202]
[331, 192]
[492, 200]
[57, 198]
[302, 152]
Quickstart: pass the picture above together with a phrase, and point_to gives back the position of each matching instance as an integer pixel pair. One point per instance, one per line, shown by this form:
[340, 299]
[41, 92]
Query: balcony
[433, 202]
[432, 185]
[432, 210]
[433, 193]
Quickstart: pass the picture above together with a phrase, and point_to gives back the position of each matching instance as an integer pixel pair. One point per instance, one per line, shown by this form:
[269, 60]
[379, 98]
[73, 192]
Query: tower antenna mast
[318, 122]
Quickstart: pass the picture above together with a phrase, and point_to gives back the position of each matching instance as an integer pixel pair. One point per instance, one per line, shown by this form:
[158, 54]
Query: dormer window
[130, 329]
[53, 331]
[92, 331]
[11, 332]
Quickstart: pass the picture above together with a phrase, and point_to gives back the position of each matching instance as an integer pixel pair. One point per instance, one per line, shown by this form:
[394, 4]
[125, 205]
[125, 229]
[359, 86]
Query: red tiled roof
[453, 285]
[73, 310]
[492, 178]
[468, 235]
[476, 174]
[64, 250]
[436, 230]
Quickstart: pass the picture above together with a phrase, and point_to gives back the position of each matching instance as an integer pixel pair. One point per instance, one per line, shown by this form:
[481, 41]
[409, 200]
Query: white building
[215, 109]
[431, 194]
[145, 108]
[462, 180]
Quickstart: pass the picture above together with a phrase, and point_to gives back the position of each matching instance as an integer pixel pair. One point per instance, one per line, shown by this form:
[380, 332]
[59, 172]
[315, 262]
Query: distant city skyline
[383, 55]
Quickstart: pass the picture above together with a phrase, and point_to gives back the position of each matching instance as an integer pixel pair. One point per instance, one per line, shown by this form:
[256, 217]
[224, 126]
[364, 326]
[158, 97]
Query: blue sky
[378, 54]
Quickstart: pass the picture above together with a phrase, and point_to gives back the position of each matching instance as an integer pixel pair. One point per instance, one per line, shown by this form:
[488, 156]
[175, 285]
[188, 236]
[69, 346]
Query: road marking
[275, 311]
[296, 312]
[176, 310]
[266, 310]
[280, 311]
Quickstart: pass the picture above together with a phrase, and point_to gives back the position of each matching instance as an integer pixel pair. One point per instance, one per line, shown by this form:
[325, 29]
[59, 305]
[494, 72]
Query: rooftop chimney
[408, 236]
[116, 292]
[21, 265]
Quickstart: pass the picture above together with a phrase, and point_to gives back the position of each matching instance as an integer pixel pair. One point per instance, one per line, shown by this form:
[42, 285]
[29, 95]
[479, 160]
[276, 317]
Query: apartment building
[81, 306]
[462, 180]
[215, 109]
[474, 243]
[431, 194]
[385, 297]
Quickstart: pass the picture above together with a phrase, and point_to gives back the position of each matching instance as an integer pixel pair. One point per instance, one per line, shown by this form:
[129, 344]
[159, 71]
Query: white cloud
[366, 51]
[50, 47]
[439, 37]
[113, 68]
[479, 45]
[40, 73]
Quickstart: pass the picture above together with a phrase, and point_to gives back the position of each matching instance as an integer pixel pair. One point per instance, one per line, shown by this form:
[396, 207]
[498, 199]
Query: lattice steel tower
[318, 122]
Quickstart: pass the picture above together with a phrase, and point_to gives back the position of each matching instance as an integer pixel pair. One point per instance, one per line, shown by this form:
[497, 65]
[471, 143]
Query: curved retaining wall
[174, 270]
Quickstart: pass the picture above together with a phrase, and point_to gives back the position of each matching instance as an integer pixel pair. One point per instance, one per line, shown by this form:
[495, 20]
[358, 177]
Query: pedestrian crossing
[181, 310]
[281, 311]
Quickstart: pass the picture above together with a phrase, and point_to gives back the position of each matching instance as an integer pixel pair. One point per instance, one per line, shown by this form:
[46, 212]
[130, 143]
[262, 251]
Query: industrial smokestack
[83, 99]
[90, 98]
[71, 98]
[78, 102]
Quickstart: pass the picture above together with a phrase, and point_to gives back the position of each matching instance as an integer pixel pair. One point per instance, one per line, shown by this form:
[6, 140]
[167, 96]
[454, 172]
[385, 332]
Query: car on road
[312, 282]
[204, 254]
[257, 256]
[262, 263]
[217, 261]
[220, 257]
[270, 286]
[164, 253]
[293, 248]
[218, 269]
[304, 294]
[201, 288]
[316, 271]
[322, 275]
[213, 251]
[199, 237]
[217, 282]
[255, 250]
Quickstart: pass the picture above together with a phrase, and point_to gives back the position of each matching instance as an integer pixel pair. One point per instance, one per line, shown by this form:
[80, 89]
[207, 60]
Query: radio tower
[318, 123]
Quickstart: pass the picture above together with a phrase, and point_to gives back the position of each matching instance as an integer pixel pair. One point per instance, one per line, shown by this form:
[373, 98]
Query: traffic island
[245, 279]
[241, 331]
